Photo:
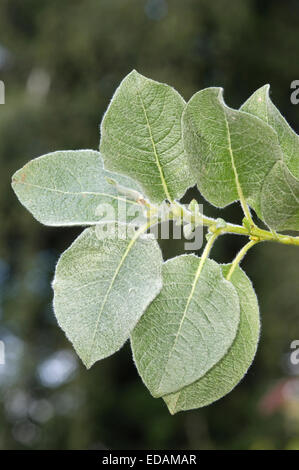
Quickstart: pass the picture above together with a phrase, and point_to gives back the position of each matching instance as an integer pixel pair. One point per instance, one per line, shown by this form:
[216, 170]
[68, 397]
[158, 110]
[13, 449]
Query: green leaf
[69, 187]
[227, 373]
[230, 151]
[141, 136]
[260, 105]
[280, 194]
[188, 328]
[103, 285]
[280, 199]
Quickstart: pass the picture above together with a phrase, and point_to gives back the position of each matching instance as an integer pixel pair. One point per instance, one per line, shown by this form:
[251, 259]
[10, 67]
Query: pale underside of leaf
[228, 372]
[141, 136]
[230, 151]
[71, 188]
[280, 192]
[103, 286]
[187, 328]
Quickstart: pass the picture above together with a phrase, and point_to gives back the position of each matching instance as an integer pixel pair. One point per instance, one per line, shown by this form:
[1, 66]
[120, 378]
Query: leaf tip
[88, 362]
[171, 403]
[263, 91]
[266, 87]
[134, 73]
[15, 178]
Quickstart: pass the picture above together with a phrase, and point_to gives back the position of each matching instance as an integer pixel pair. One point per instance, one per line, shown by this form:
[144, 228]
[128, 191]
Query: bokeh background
[61, 62]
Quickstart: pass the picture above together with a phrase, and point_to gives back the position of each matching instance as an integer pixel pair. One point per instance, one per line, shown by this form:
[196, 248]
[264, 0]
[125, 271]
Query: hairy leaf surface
[230, 151]
[280, 199]
[280, 194]
[226, 374]
[70, 188]
[260, 105]
[188, 328]
[103, 286]
[141, 136]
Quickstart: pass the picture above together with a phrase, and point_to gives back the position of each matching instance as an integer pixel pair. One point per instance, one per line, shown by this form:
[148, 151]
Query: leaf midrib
[193, 287]
[71, 193]
[165, 188]
[237, 181]
[142, 229]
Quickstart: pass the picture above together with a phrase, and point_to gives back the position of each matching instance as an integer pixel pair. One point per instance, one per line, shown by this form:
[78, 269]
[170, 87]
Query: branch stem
[255, 233]
[239, 257]
[206, 251]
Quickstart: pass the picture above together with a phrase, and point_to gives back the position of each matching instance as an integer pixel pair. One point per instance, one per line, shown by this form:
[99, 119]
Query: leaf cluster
[193, 324]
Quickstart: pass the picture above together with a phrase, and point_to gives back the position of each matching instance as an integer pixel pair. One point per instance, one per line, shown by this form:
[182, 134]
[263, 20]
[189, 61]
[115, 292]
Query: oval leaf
[70, 188]
[141, 136]
[102, 287]
[259, 104]
[227, 373]
[230, 151]
[189, 326]
[280, 193]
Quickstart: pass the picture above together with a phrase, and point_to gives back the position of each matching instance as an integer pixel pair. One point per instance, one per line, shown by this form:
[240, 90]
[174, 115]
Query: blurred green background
[61, 62]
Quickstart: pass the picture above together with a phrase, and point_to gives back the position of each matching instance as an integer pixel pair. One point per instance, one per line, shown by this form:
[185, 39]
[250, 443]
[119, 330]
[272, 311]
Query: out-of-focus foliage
[61, 62]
